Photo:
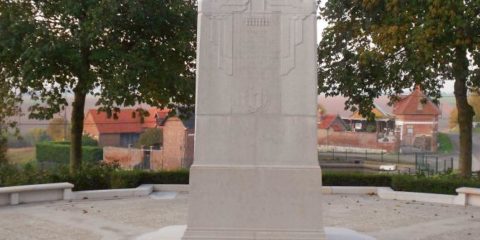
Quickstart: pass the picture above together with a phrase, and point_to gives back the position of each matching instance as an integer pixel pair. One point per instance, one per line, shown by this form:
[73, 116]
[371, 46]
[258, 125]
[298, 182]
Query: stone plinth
[256, 174]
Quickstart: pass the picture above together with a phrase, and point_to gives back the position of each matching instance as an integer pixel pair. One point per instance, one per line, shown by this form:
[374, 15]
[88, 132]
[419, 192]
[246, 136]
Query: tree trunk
[77, 131]
[3, 148]
[465, 111]
[81, 90]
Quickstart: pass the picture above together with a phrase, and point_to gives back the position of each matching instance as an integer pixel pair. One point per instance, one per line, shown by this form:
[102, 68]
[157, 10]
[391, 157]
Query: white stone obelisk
[256, 174]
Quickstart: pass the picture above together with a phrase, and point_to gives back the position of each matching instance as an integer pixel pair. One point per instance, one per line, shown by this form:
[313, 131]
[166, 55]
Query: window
[410, 129]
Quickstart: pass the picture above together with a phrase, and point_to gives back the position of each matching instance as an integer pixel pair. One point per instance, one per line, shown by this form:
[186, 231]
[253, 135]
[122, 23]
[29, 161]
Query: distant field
[21, 155]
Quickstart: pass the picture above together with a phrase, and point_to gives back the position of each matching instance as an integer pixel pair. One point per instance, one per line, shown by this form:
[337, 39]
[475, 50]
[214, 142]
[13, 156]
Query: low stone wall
[354, 140]
[35, 193]
[129, 158]
[62, 191]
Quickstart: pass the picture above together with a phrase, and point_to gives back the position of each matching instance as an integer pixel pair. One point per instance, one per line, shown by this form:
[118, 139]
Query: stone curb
[62, 191]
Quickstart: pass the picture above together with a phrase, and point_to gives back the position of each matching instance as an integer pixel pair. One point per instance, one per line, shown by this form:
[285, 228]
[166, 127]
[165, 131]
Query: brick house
[116, 135]
[412, 126]
[417, 122]
[122, 131]
[383, 124]
[178, 139]
[335, 131]
[333, 122]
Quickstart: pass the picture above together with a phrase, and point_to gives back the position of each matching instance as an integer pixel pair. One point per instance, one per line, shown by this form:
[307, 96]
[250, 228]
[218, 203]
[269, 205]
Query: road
[475, 148]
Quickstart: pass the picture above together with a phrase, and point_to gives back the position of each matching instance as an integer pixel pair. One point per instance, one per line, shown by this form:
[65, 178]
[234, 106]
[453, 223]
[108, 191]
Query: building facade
[416, 123]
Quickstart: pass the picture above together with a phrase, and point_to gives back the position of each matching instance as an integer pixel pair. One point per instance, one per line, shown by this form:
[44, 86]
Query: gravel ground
[130, 218]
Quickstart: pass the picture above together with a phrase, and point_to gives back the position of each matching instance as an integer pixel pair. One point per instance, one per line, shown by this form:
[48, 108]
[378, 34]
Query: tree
[377, 47]
[9, 106]
[125, 52]
[37, 135]
[151, 137]
[474, 101]
[57, 129]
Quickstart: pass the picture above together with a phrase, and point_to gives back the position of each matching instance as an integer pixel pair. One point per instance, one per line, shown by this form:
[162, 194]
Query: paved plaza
[131, 218]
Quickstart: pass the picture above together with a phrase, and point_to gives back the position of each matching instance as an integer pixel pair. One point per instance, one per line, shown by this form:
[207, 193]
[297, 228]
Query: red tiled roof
[327, 120]
[127, 121]
[408, 105]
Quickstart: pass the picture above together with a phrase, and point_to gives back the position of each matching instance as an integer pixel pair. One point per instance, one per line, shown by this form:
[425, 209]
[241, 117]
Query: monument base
[255, 202]
[176, 233]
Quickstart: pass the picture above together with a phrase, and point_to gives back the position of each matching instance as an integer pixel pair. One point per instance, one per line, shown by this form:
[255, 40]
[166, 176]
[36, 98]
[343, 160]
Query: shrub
[355, 179]
[151, 137]
[101, 176]
[89, 141]
[442, 184]
[59, 153]
[89, 177]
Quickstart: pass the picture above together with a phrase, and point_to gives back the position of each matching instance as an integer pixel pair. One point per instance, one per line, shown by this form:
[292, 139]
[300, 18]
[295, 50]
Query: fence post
[333, 154]
[451, 160]
[444, 165]
[381, 154]
[436, 165]
[398, 157]
[416, 162]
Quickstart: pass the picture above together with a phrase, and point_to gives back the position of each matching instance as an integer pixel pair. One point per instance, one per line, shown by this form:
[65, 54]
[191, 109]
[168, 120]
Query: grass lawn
[21, 155]
[446, 145]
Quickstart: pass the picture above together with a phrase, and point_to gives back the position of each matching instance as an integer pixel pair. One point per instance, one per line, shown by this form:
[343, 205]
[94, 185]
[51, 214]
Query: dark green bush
[126, 179]
[89, 177]
[89, 141]
[129, 179]
[59, 153]
[355, 179]
[442, 184]
[100, 176]
[166, 177]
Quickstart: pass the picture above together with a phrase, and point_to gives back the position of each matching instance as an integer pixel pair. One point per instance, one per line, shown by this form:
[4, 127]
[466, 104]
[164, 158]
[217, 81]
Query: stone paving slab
[130, 218]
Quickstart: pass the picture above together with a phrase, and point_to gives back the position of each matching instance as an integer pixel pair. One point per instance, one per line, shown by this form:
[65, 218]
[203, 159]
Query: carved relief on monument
[223, 6]
[221, 37]
[251, 100]
[293, 6]
[266, 6]
[292, 37]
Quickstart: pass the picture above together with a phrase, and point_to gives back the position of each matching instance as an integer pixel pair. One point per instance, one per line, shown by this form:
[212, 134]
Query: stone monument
[256, 174]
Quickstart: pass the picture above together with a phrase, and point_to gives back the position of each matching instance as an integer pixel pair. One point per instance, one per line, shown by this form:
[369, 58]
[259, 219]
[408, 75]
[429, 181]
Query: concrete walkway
[131, 218]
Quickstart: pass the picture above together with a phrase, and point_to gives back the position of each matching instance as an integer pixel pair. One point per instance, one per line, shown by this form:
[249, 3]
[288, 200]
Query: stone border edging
[140, 191]
[62, 191]
[15, 195]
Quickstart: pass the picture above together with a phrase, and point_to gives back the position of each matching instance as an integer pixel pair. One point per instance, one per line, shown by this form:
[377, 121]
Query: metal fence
[427, 163]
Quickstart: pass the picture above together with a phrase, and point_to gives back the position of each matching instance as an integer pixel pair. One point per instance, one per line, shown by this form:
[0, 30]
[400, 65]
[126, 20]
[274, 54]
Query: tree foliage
[151, 137]
[9, 106]
[125, 52]
[381, 47]
[57, 129]
[474, 101]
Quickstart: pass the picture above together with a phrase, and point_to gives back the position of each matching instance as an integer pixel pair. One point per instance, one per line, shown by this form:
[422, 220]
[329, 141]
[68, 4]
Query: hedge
[59, 153]
[100, 176]
[442, 184]
[89, 177]
[356, 179]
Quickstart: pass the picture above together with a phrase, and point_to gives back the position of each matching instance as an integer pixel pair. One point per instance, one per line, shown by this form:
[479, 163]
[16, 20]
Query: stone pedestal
[256, 174]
